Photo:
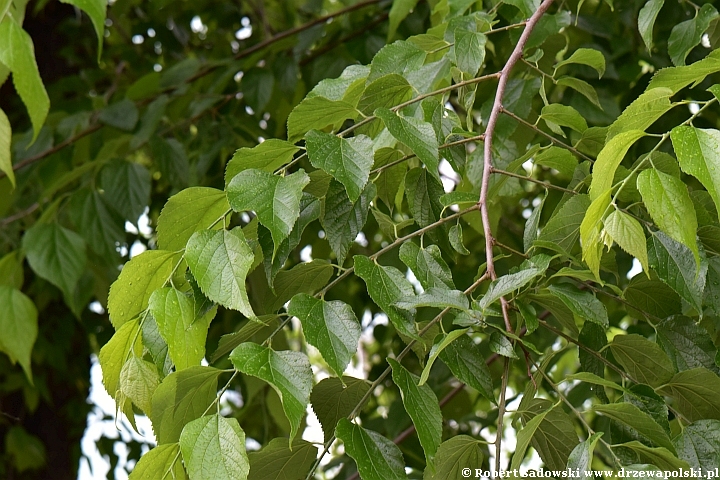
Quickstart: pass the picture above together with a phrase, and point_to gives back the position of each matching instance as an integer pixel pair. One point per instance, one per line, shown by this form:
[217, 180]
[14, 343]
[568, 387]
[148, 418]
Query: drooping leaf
[630, 415]
[386, 91]
[686, 35]
[5, 139]
[642, 359]
[465, 362]
[334, 398]
[651, 296]
[343, 219]
[123, 115]
[581, 457]
[113, 354]
[275, 199]
[524, 437]
[608, 160]
[331, 327]
[401, 57]
[19, 326]
[308, 277]
[423, 192]
[436, 349]
[181, 398]
[580, 86]
[95, 9]
[583, 304]
[101, 229]
[399, 10]
[628, 233]
[377, 458]
[502, 345]
[418, 135]
[288, 373]
[214, 447]
[276, 460]
[171, 158]
[456, 240]
[267, 156]
[698, 152]
[220, 260]
[555, 437]
[427, 264]
[695, 393]
[161, 461]
[590, 231]
[138, 381]
[646, 20]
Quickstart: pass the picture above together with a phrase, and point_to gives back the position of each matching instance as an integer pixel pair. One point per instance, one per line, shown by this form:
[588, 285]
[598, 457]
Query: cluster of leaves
[378, 183]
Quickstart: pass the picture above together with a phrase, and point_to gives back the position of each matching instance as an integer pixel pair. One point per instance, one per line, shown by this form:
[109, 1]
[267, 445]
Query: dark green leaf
[630, 415]
[418, 135]
[101, 229]
[686, 35]
[687, 344]
[401, 57]
[583, 304]
[127, 188]
[646, 20]
[377, 457]
[123, 115]
[454, 455]
[276, 460]
[386, 91]
[563, 228]
[509, 283]
[642, 359]
[317, 113]
[334, 398]
[464, 361]
[699, 445]
[428, 265]
[501, 345]
[695, 393]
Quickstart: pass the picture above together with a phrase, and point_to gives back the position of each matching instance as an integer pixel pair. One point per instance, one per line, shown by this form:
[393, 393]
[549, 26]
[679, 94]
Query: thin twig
[533, 180]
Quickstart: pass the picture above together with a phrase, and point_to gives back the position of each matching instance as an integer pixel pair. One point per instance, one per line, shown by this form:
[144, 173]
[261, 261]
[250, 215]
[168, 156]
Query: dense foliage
[448, 196]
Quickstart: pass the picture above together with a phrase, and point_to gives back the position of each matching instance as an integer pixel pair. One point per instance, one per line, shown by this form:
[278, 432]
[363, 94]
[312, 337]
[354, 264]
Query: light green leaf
[418, 135]
[141, 276]
[220, 261]
[509, 283]
[590, 230]
[695, 393]
[454, 455]
[642, 359]
[465, 362]
[583, 304]
[642, 112]
[399, 10]
[55, 254]
[183, 331]
[95, 9]
[267, 156]
[138, 381]
[422, 405]
[468, 51]
[161, 461]
[674, 264]
[677, 78]
[581, 457]
[386, 91]
[698, 152]
[564, 116]
[660, 457]
[181, 398]
[387, 285]
[628, 233]
[331, 327]
[189, 211]
[276, 460]
[686, 35]
[435, 351]
[377, 458]
[608, 160]
[275, 199]
[646, 21]
[630, 415]
[558, 158]
[699, 445]
[17, 53]
[582, 87]
[317, 113]
[348, 160]
[126, 341]
[334, 398]
[427, 264]
[19, 327]
[586, 56]
[213, 447]
[5, 140]
[288, 373]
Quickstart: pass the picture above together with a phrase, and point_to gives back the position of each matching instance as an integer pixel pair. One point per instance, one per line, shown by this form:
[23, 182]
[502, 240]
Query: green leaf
[267, 156]
[590, 231]
[699, 445]
[555, 437]
[558, 158]
[97, 225]
[608, 160]
[501, 345]
[127, 189]
[276, 460]
[593, 379]
[317, 113]
[161, 461]
[687, 344]
[387, 285]
[667, 200]
[5, 140]
[686, 35]
[171, 158]
[275, 199]
[427, 264]
[95, 9]
[220, 261]
[156, 346]
[184, 331]
[11, 270]
[17, 53]
[509, 283]
[189, 211]
[646, 20]
[138, 381]
[306, 277]
[114, 353]
[630, 415]
[331, 327]
[401, 57]
[422, 405]
[55, 254]
[467, 365]
[524, 437]
[628, 233]
[695, 393]
[435, 297]
[675, 266]
[348, 160]
[556, 114]
[697, 152]
[181, 398]
[399, 10]
[19, 326]
[423, 192]
[334, 398]
[386, 91]
[141, 276]
[122, 115]
[343, 219]
[581, 457]
[468, 51]
[583, 304]
[563, 228]
[677, 78]
[586, 56]
[660, 457]
[453, 456]
[214, 447]
[418, 135]
[580, 86]
[288, 373]
[642, 359]
[456, 240]
[435, 351]
[377, 458]
[651, 296]
[642, 112]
